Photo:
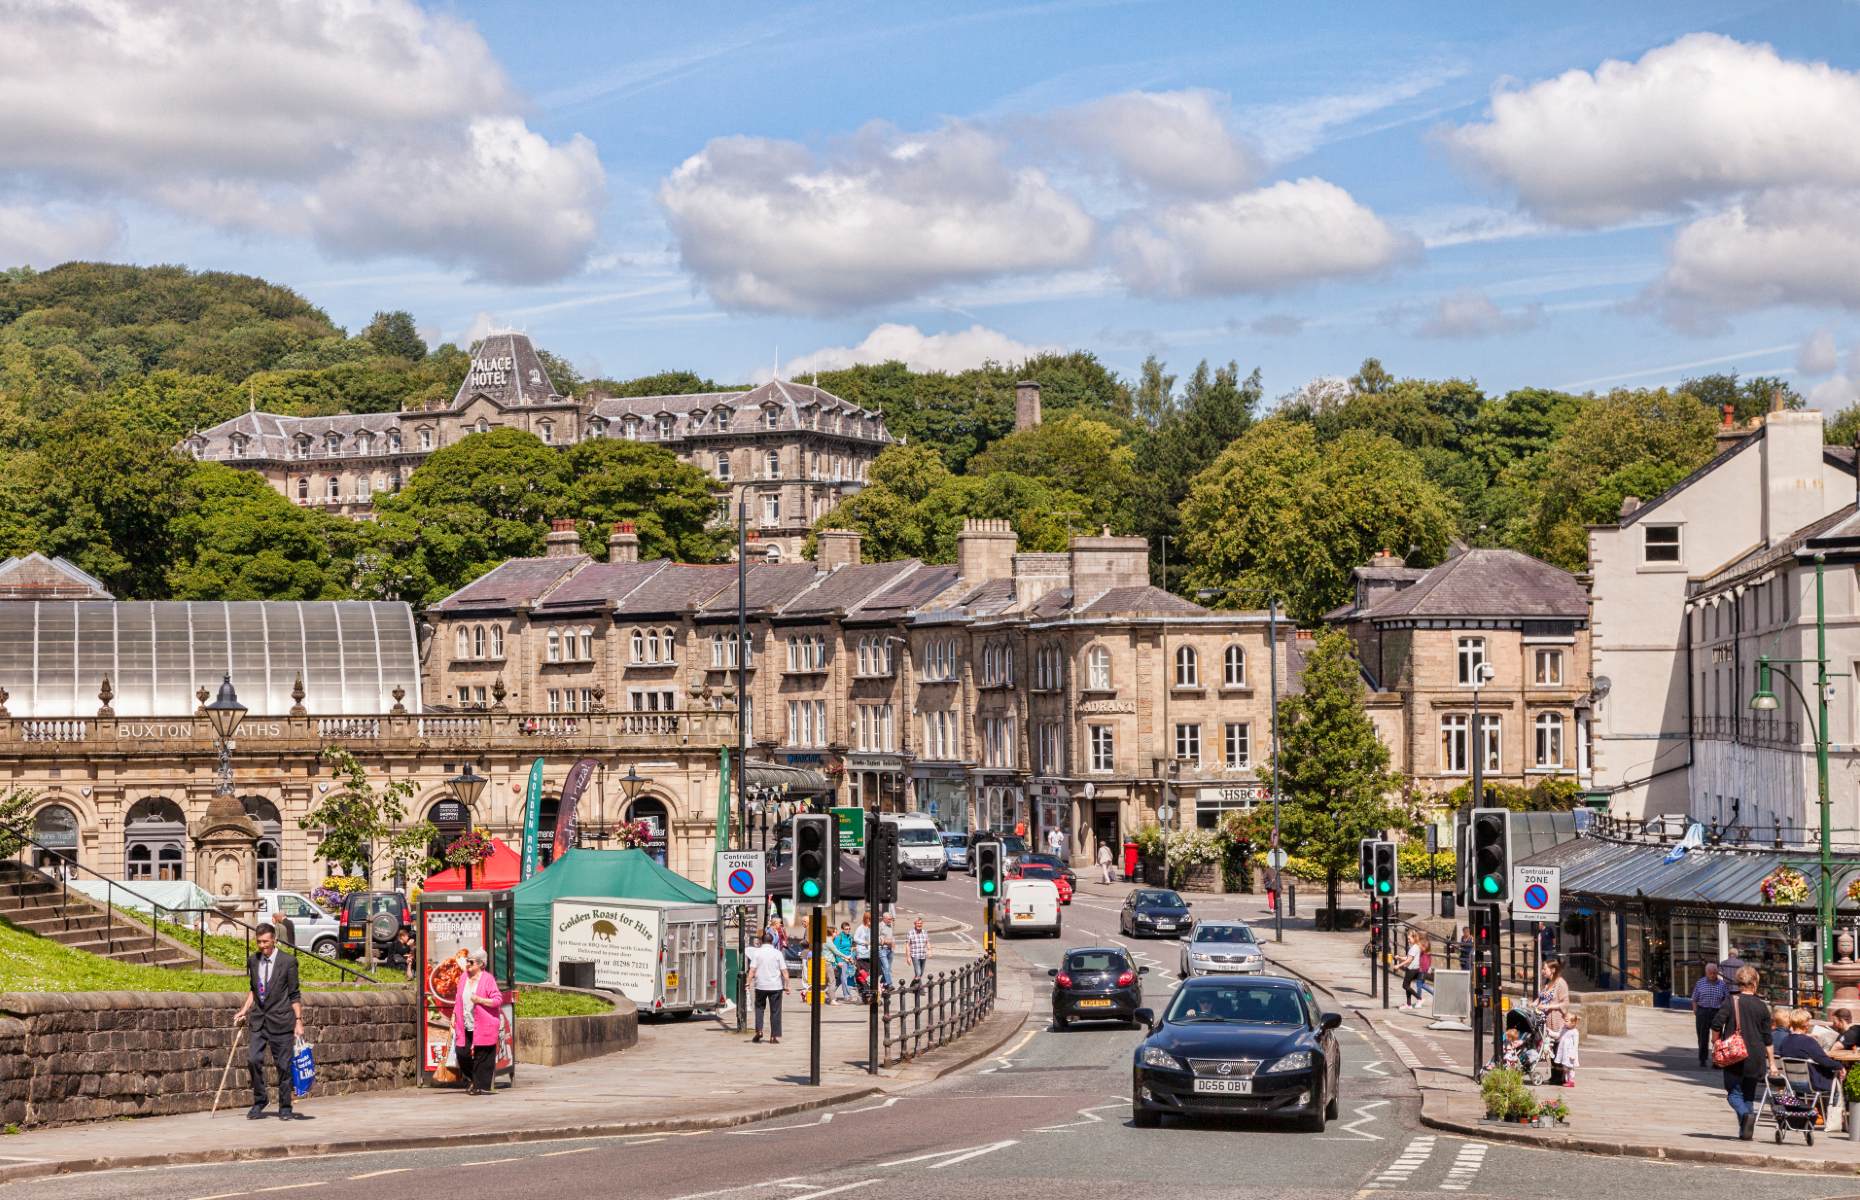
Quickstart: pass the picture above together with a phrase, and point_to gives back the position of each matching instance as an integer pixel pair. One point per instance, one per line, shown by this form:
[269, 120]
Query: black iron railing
[935, 1010]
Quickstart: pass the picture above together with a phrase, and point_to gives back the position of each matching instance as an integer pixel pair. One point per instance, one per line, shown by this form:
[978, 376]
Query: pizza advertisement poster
[447, 938]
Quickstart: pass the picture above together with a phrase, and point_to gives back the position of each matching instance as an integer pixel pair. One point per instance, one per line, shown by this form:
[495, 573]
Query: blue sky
[646, 187]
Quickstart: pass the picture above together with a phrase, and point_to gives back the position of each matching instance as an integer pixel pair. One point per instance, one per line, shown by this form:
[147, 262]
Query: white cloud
[768, 224]
[1178, 143]
[1292, 128]
[1834, 394]
[1473, 315]
[36, 236]
[1818, 355]
[1792, 246]
[1291, 232]
[1702, 118]
[954, 351]
[369, 126]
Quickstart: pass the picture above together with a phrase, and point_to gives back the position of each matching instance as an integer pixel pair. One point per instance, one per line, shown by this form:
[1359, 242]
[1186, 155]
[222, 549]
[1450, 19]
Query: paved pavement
[1044, 1113]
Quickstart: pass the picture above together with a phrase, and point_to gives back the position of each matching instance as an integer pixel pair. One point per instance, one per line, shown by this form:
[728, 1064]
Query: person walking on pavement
[1553, 1006]
[1708, 996]
[844, 968]
[1105, 859]
[887, 948]
[1745, 1014]
[917, 944]
[477, 1018]
[1056, 842]
[769, 971]
[277, 1010]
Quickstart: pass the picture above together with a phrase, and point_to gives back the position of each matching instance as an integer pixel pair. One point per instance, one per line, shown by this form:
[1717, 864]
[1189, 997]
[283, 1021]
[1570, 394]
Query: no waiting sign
[742, 877]
[1536, 893]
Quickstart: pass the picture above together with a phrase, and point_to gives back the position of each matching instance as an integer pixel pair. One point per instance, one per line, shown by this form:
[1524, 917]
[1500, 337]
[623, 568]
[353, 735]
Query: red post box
[1130, 861]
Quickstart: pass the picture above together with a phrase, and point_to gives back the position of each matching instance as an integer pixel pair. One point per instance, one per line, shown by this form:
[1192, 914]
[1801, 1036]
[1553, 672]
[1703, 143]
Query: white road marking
[741, 1187]
[1090, 1115]
[1363, 1117]
[1376, 1068]
[844, 1187]
[946, 1155]
[1465, 1167]
[825, 1118]
[286, 1187]
[220, 1196]
[1398, 1172]
[378, 1174]
[489, 1162]
[577, 1150]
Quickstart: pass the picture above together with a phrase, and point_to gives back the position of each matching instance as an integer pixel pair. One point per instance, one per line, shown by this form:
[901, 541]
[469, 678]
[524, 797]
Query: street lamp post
[467, 786]
[1765, 701]
[632, 783]
[225, 714]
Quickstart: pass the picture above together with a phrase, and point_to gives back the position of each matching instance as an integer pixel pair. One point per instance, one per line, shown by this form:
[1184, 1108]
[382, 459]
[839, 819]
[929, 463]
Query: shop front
[1214, 801]
[876, 781]
[1000, 803]
[1051, 808]
[942, 794]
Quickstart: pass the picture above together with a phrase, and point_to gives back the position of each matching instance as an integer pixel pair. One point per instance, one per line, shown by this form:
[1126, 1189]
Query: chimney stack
[623, 543]
[1026, 405]
[836, 548]
[985, 550]
[1385, 559]
[563, 541]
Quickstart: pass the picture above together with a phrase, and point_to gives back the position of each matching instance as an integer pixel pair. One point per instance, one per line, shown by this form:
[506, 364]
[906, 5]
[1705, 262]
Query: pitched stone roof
[599, 584]
[1145, 600]
[36, 577]
[796, 403]
[507, 370]
[1764, 558]
[512, 584]
[679, 588]
[845, 589]
[767, 586]
[1488, 583]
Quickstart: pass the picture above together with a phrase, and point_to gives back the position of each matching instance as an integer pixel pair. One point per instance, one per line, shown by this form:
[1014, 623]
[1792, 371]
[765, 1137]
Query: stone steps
[35, 903]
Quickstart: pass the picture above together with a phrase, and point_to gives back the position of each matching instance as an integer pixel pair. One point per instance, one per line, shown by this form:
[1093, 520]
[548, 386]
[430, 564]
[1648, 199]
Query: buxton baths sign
[161, 731]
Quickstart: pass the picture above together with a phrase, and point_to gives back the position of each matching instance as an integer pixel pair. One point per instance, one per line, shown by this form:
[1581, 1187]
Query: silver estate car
[1222, 948]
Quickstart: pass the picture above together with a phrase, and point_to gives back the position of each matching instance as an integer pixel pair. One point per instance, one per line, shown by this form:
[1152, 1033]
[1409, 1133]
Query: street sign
[449, 816]
[1164, 813]
[1277, 858]
[742, 877]
[1537, 893]
[852, 827]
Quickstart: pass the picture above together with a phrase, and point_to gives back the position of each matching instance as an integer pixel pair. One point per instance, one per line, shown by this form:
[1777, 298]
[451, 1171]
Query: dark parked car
[1013, 848]
[373, 915]
[1149, 911]
[1097, 983]
[956, 851]
[1055, 862]
[1230, 1046]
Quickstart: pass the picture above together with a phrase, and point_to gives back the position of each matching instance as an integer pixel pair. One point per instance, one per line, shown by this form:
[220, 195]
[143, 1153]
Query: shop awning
[800, 781]
[1708, 877]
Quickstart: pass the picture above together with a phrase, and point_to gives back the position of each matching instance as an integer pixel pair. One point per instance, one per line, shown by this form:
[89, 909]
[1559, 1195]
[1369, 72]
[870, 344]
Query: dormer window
[238, 444]
[546, 431]
[393, 439]
[364, 443]
[665, 425]
[303, 445]
[333, 443]
[597, 428]
[426, 438]
[632, 429]
[771, 419]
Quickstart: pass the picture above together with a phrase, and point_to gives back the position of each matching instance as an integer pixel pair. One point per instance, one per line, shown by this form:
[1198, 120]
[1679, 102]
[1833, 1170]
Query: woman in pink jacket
[477, 1012]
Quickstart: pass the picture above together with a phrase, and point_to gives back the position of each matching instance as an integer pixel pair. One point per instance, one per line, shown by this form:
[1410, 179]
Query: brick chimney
[1104, 562]
[836, 548]
[985, 550]
[1026, 405]
[1386, 559]
[563, 541]
[623, 543]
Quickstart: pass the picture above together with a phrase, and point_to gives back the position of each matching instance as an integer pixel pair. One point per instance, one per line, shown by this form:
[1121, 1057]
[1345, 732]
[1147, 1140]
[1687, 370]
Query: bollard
[1291, 898]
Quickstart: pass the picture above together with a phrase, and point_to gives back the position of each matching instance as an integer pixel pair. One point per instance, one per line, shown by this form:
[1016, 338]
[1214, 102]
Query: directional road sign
[1277, 858]
[1536, 893]
[742, 877]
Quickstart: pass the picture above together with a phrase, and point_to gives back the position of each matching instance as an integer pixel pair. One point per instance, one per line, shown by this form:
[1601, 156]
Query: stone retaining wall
[556, 1040]
[86, 1056]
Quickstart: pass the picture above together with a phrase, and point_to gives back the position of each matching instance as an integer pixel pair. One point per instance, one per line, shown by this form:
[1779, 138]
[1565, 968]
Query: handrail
[935, 1010]
[155, 910]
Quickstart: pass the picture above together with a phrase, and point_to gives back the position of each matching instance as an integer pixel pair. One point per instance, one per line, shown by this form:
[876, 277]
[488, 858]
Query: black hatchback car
[1153, 911]
[1228, 1046]
[1097, 983]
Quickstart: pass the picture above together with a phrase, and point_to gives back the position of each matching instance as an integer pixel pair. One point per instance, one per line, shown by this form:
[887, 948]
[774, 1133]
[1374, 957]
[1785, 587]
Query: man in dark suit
[277, 1020]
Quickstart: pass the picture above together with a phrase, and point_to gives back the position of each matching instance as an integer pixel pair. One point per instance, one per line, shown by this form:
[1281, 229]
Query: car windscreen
[918, 836]
[1158, 900]
[1014, 844]
[1097, 960]
[957, 840]
[1037, 870]
[1224, 933]
[1237, 1004]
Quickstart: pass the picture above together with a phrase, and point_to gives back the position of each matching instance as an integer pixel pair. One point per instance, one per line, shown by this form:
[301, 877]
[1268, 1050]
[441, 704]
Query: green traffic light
[1490, 884]
[1385, 887]
[810, 888]
[988, 887]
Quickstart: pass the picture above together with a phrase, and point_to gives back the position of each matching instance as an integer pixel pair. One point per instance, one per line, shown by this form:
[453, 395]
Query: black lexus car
[1226, 1046]
[1153, 911]
[1096, 983]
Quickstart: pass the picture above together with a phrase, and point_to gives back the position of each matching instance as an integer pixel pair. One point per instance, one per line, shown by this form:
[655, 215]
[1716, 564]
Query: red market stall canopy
[504, 869]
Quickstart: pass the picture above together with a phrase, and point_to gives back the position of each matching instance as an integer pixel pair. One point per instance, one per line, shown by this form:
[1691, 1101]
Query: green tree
[1215, 408]
[392, 335]
[1074, 453]
[1747, 398]
[236, 538]
[1278, 514]
[363, 827]
[664, 383]
[1843, 428]
[1153, 399]
[611, 479]
[1333, 770]
[13, 808]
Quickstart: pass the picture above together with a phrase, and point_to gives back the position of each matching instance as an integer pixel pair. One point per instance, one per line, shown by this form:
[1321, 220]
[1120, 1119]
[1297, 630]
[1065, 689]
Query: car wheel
[324, 947]
[942, 875]
[1144, 1118]
[1061, 1023]
[1313, 1121]
[1330, 1109]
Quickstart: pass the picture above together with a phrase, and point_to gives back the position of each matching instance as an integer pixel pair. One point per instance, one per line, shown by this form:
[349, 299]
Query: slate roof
[35, 577]
[524, 381]
[1763, 558]
[1488, 583]
[269, 435]
[845, 589]
[914, 590]
[679, 588]
[599, 584]
[1706, 877]
[1145, 600]
[696, 413]
[511, 584]
[768, 586]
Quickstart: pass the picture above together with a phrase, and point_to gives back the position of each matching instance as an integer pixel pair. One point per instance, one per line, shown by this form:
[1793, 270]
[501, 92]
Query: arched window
[335, 488]
[639, 645]
[671, 644]
[477, 641]
[264, 814]
[1187, 667]
[303, 488]
[497, 641]
[426, 438]
[154, 838]
[771, 463]
[554, 646]
[462, 640]
[1233, 667]
[55, 828]
[1098, 669]
[587, 645]
[772, 554]
[483, 426]
[865, 656]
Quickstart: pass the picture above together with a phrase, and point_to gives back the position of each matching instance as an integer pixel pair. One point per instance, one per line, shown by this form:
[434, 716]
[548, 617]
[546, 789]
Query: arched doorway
[264, 814]
[55, 828]
[546, 814]
[658, 821]
[155, 840]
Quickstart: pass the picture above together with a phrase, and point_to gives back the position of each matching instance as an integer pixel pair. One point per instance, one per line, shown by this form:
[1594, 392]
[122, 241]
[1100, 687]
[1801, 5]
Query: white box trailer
[666, 956]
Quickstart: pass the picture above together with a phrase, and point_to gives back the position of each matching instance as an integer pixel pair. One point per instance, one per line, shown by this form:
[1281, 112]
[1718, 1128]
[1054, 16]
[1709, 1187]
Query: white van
[1028, 906]
[920, 846]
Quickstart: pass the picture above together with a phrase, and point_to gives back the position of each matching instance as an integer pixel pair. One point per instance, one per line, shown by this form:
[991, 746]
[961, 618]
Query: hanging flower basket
[1853, 890]
[632, 835]
[468, 849]
[1785, 887]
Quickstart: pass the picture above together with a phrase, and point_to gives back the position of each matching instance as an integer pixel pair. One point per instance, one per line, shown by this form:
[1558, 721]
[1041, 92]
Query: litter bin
[575, 974]
[1130, 861]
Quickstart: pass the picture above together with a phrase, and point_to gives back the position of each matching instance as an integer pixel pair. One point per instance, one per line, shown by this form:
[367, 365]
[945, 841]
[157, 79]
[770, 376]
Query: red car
[1034, 870]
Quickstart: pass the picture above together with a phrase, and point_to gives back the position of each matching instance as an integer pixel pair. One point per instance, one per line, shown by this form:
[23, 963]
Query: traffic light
[1491, 856]
[881, 862]
[988, 869]
[1384, 854]
[813, 858]
[1366, 874]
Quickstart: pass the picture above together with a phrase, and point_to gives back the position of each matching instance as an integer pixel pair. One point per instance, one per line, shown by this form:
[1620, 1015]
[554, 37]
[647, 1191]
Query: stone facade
[86, 1056]
[787, 451]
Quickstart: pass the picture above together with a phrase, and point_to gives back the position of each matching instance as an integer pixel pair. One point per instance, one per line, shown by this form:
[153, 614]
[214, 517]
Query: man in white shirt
[768, 974]
[1056, 842]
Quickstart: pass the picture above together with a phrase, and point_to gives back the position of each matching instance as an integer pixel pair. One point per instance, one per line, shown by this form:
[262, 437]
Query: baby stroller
[1793, 1104]
[1538, 1052]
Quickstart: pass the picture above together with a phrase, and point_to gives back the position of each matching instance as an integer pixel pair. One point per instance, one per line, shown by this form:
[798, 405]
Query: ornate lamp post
[633, 783]
[467, 786]
[226, 714]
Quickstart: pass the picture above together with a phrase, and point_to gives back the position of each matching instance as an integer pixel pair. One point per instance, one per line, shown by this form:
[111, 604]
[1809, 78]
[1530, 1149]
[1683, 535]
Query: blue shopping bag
[303, 1068]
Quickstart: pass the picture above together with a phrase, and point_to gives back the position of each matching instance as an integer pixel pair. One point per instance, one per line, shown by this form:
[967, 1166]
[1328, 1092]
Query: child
[1566, 1056]
[1510, 1054]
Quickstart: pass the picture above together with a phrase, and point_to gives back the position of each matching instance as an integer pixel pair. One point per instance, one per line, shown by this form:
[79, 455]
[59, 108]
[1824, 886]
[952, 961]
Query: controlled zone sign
[742, 877]
[1536, 893]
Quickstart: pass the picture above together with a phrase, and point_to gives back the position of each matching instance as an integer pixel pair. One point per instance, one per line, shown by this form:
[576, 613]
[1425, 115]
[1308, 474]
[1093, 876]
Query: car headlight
[1156, 1056]
[1297, 1060]
[1199, 956]
[1145, 917]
